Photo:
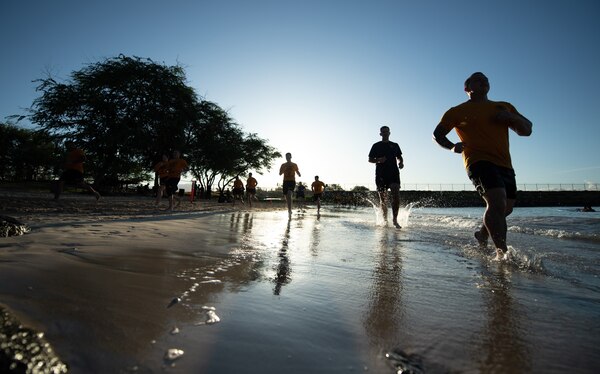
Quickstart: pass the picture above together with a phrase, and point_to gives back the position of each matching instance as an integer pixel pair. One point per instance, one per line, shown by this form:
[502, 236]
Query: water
[342, 293]
[336, 293]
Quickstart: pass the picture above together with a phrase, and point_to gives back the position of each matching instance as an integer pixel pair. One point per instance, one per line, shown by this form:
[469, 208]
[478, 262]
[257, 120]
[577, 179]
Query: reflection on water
[503, 348]
[283, 270]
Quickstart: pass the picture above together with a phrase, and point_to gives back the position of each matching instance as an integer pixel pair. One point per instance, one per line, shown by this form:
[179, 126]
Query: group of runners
[481, 125]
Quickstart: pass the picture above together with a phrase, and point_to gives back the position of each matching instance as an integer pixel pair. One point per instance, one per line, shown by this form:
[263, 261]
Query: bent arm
[521, 125]
[440, 136]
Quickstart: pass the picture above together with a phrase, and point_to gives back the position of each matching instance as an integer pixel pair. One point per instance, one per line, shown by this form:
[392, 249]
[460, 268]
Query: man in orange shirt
[317, 188]
[73, 173]
[162, 169]
[482, 127]
[176, 166]
[289, 171]
[251, 184]
[238, 190]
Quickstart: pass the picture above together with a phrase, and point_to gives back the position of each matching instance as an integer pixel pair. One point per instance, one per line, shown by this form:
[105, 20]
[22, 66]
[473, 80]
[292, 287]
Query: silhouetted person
[73, 173]
[482, 127]
[162, 169]
[317, 188]
[388, 157]
[176, 166]
[289, 171]
[251, 184]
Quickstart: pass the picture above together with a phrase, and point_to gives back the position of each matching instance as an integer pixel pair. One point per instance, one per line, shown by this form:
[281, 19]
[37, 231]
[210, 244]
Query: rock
[10, 226]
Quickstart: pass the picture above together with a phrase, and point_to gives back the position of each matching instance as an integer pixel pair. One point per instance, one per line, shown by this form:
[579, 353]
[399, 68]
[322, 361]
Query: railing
[469, 187]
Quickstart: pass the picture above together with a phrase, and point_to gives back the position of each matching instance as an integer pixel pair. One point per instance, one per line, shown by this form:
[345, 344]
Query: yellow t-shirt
[176, 166]
[251, 182]
[288, 170]
[317, 186]
[483, 139]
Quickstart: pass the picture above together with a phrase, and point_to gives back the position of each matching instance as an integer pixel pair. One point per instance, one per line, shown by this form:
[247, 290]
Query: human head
[69, 144]
[384, 131]
[477, 83]
[288, 156]
[165, 157]
[249, 174]
[316, 177]
[176, 154]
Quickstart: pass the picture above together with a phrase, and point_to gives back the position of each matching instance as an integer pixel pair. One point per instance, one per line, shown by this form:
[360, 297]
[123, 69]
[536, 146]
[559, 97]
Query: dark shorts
[162, 181]
[288, 186]
[172, 186]
[317, 196]
[385, 181]
[72, 177]
[238, 191]
[299, 195]
[486, 175]
[251, 191]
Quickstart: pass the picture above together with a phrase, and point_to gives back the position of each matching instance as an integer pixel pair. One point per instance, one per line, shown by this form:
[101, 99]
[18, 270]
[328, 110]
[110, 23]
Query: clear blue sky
[318, 78]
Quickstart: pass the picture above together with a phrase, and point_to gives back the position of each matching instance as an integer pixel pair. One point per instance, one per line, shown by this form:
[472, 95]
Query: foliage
[122, 111]
[220, 150]
[360, 189]
[334, 187]
[25, 155]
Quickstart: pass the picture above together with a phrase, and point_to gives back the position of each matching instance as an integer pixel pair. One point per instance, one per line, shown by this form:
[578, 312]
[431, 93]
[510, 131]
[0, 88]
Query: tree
[360, 189]
[25, 155]
[123, 111]
[220, 150]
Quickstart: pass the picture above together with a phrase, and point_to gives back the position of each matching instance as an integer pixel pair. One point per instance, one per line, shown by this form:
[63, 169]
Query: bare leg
[383, 204]
[482, 234]
[92, 190]
[58, 188]
[288, 199]
[318, 205]
[395, 204]
[494, 218]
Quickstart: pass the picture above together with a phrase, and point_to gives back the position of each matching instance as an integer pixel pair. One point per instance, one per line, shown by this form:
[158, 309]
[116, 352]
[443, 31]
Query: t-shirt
[391, 151]
[75, 160]
[317, 186]
[251, 182]
[162, 169]
[238, 184]
[176, 166]
[288, 170]
[482, 137]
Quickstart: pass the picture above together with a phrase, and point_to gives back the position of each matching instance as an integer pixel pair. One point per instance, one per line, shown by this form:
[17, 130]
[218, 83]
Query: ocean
[340, 292]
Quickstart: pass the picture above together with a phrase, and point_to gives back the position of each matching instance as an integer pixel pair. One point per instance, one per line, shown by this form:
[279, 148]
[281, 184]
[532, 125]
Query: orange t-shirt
[238, 184]
[176, 166]
[162, 169]
[288, 170]
[75, 160]
[251, 182]
[483, 139]
[317, 186]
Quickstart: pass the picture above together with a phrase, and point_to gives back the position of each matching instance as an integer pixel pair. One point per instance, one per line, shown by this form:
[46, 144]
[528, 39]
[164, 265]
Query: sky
[317, 78]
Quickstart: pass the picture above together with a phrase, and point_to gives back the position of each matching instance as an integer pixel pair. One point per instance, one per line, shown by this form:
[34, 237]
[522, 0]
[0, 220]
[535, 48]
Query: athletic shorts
[385, 181]
[72, 177]
[238, 191]
[251, 191]
[162, 181]
[299, 195]
[172, 186]
[317, 196]
[288, 186]
[486, 175]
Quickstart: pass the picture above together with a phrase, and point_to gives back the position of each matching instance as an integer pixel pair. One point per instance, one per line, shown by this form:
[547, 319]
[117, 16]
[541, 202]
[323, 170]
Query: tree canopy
[127, 111]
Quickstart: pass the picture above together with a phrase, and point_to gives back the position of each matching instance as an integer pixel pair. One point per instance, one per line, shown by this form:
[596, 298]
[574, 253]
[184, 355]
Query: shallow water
[256, 292]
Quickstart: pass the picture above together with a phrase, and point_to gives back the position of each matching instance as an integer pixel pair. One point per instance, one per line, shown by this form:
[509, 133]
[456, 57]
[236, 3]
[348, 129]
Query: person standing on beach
[162, 169]
[385, 154]
[238, 190]
[482, 127]
[317, 188]
[251, 184]
[289, 171]
[176, 166]
[73, 173]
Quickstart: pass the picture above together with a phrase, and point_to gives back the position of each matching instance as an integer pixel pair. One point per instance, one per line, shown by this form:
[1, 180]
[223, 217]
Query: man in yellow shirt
[289, 171]
[317, 188]
[482, 127]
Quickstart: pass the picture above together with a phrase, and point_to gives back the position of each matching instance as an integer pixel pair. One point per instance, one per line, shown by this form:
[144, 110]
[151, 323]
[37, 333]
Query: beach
[119, 286]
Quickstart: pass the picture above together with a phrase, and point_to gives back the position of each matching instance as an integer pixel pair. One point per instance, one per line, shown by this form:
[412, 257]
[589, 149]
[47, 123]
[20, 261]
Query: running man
[385, 154]
[73, 173]
[251, 184]
[317, 188]
[176, 166]
[482, 127]
[238, 190]
[162, 169]
[289, 171]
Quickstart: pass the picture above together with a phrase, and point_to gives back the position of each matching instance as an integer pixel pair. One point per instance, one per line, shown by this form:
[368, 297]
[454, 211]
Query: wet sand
[115, 286]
